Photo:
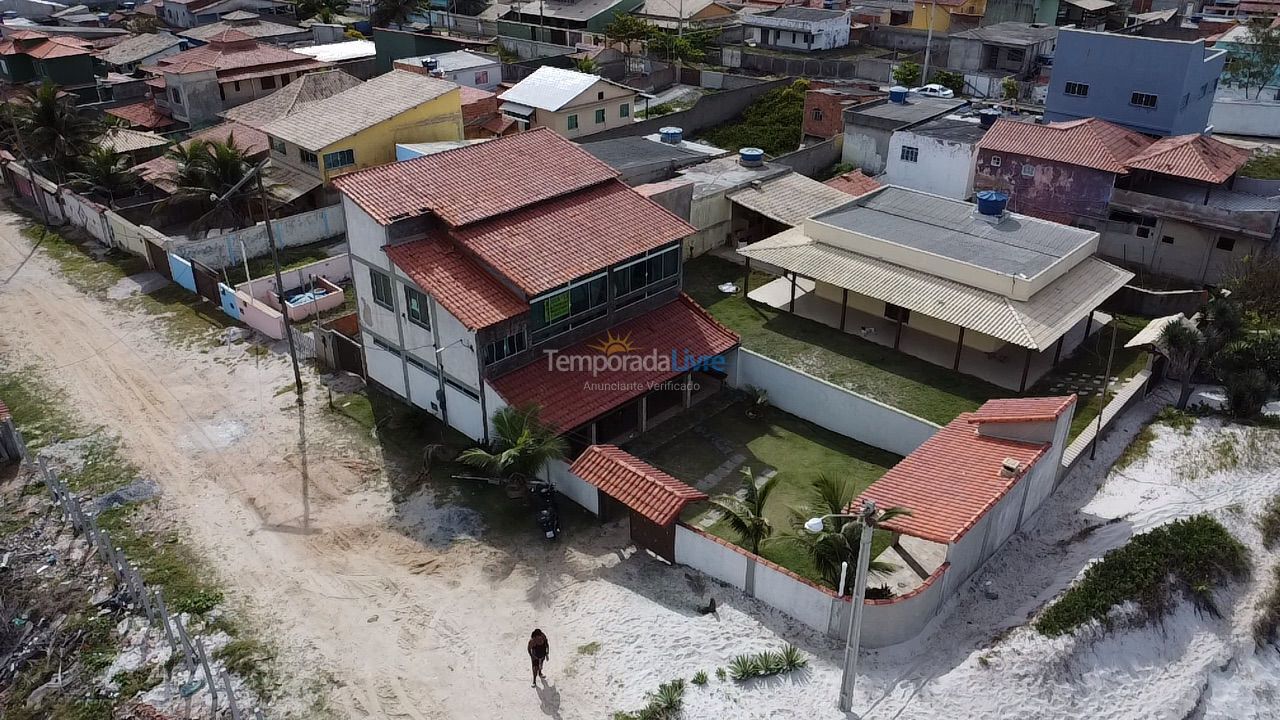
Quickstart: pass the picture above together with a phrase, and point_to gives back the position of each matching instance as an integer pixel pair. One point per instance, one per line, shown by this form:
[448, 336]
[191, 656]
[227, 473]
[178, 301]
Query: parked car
[934, 90]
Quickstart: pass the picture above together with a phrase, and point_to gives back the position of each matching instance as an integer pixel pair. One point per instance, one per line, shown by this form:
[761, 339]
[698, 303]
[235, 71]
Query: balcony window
[503, 348]
[308, 157]
[581, 302]
[416, 308]
[645, 276]
[381, 289]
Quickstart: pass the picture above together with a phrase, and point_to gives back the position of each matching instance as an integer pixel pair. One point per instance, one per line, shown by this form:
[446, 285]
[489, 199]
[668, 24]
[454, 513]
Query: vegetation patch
[252, 660]
[764, 664]
[1137, 448]
[665, 703]
[771, 123]
[1269, 524]
[36, 405]
[1266, 627]
[590, 648]
[1192, 556]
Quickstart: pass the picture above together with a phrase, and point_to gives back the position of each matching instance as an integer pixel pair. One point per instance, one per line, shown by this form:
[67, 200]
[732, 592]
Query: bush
[1189, 556]
[1247, 392]
[700, 677]
[1269, 524]
[665, 703]
[953, 81]
[763, 664]
[771, 123]
[907, 73]
[1266, 625]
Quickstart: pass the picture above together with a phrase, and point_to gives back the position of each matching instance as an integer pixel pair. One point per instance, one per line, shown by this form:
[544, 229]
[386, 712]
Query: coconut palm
[523, 444]
[1247, 392]
[1183, 345]
[841, 535]
[206, 169]
[396, 12]
[103, 171]
[51, 128]
[745, 516]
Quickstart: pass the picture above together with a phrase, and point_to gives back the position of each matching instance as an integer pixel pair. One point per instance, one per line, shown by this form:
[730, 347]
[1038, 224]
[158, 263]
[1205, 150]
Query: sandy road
[371, 621]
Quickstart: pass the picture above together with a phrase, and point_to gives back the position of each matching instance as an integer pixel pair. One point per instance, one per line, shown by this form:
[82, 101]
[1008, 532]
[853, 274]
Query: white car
[934, 90]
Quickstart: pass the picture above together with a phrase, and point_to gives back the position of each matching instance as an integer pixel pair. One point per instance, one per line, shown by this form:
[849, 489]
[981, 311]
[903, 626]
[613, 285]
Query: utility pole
[854, 637]
[275, 263]
[26, 162]
[1106, 383]
[928, 45]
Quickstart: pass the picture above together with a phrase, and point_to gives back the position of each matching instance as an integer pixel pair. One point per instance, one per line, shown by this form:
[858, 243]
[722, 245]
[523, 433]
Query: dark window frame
[382, 296]
[420, 315]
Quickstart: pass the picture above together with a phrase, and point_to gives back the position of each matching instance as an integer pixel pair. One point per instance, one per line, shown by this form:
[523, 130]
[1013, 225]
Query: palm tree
[522, 446]
[205, 169]
[104, 172]
[1247, 392]
[1183, 345]
[52, 128]
[745, 516]
[840, 539]
[395, 12]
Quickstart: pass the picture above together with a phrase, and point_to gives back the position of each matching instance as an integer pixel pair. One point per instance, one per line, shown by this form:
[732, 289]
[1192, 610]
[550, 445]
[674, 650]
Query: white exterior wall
[471, 77]
[572, 486]
[831, 406]
[365, 236]
[384, 367]
[826, 34]
[711, 558]
[885, 624]
[942, 167]
[802, 601]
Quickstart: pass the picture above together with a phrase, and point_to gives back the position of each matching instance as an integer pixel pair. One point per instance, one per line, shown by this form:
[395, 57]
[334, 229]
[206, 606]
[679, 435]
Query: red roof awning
[460, 285]
[635, 483]
[571, 397]
[1006, 410]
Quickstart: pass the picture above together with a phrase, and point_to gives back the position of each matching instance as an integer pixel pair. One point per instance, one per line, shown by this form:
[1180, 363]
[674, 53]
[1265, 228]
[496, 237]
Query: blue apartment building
[1152, 86]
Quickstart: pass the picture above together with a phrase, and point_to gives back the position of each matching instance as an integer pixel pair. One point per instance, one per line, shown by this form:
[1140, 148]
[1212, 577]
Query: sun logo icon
[612, 344]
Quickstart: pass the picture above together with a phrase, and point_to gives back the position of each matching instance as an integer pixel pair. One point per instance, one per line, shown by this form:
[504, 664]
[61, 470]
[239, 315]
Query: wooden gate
[206, 283]
[661, 541]
[159, 260]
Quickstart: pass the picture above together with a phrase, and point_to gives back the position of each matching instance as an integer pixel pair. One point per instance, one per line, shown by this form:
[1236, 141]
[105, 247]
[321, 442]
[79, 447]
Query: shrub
[720, 674]
[664, 704]
[953, 81]
[1269, 524]
[793, 659]
[745, 667]
[1189, 556]
[1247, 392]
[700, 677]
[907, 73]
[771, 123]
[1266, 625]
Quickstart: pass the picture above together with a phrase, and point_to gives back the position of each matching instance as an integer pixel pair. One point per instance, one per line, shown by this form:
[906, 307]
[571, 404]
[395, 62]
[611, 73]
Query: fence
[301, 229]
[192, 651]
[831, 406]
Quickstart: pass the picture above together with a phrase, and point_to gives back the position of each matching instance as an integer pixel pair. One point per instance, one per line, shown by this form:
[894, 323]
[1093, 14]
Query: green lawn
[290, 258]
[916, 386]
[797, 449]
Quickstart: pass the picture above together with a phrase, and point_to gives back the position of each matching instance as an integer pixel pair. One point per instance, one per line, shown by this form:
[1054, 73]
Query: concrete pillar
[688, 391]
[1088, 325]
[644, 413]
[1057, 350]
[959, 348]
[791, 306]
[1026, 368]
[844, 307]
[746, 279]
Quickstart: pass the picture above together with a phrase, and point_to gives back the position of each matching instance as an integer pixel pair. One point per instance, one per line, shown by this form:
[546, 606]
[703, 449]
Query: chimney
[1010, 467]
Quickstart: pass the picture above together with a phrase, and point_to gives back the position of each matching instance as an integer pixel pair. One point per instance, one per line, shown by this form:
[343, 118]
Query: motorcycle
[547, 514]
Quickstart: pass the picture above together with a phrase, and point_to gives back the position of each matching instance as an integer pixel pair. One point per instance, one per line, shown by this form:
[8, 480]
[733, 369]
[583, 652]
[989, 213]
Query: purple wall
[1058, 191]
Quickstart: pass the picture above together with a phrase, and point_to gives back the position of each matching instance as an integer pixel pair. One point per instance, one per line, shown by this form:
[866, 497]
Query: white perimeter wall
[889, 623]
[577, 489]
[711, 558]
[301, 229]
[831, 406]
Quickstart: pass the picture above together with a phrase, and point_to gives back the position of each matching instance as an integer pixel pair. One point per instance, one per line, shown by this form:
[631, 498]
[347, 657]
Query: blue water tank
[10, 14]
[898, 94]
[104, 18]
[750, 157]
[988, 117]
[671, 135]
[128, 5]
[828, 4]
[992, 202]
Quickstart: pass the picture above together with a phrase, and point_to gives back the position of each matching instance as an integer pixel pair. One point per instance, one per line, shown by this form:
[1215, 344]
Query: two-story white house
[521, 271]
[799, 28]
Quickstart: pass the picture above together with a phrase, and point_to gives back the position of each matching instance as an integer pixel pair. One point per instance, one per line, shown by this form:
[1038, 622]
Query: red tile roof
[1192, 156]
[476, 182]
[144, 114]
[469, 293]
[41, 46]
[468, 94]
[854, 183]
[4, 411]
[1021, 409]
[635, 483]
[240, 54]
[569, 398]
[1090, 143]
[546, 245]
[952, 480]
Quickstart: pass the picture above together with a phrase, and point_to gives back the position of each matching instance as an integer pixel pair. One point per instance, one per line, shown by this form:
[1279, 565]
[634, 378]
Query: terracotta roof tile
[144, 114]
[469, 293]
[566, 398]
[4, 411]
[1090, 143]
[478, 181]
[1196, 157]
[953, 479]
[1021, 409]
[235, 53]
[252, 140]
[854, 183]
[634, 483]
[546, 245]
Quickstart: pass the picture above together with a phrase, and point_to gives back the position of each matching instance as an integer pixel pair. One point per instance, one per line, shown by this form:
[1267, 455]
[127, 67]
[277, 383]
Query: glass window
[176, 95]
[339, 159]
[1077, 89]
[269, 82]
[624, 110]
[995, 161]
[277, 145]
[582, 301]
[817, 113]
[1028, 170]
[503, 348]
[1167, 239]
[600, 116]
[573, 122]
[653, 271]
[1145, 100]
[416, 307]
[381, 289]
[482, 77]
[308, 157]
[909, 154]
[385, 347]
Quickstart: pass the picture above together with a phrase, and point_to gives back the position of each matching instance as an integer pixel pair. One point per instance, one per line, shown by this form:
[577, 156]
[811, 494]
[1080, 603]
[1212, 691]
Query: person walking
[539, 651]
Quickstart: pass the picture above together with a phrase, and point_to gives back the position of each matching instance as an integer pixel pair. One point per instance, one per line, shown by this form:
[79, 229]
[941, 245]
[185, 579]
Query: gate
[206, 283]
[348, 353]
[159, 259]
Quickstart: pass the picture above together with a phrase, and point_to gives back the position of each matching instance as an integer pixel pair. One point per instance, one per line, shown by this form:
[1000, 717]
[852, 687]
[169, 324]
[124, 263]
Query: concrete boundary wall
[709, 111]
[229, 249]
[335, 269]
[831, 406]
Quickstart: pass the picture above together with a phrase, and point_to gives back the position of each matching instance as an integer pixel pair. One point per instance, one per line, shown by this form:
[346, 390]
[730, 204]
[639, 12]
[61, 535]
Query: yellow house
[939, 14]
[360, 127]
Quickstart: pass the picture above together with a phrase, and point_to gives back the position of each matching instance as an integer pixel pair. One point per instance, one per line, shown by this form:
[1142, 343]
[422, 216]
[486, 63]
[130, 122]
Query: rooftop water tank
[430, 63]
[671, 135]
[898, 94]
[128, 5]
[988, 117]
[10, 14]
[104, 18]
[991, 203]
[750, 157]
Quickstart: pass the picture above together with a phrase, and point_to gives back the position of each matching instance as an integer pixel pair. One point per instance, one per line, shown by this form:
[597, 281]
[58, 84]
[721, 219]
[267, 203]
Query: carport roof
[635, 483]
[789, 199]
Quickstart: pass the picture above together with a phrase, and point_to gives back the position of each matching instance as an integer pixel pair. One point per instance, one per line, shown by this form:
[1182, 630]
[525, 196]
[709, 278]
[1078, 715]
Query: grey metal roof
[327, 121]
[1036, 323]
[805, 14]
[628, 152]
[915, 109]
[954, 129]
[1018, 246]
[309, 88]
[138, 47]
[1009, 33]
[790, 199]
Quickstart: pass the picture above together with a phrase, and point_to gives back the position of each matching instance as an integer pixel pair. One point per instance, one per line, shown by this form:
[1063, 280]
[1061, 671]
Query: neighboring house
[193, 13]
[686, 14]
[310, 88]
[143, 115]
[562, 23]
[132, 53]
[653, 158]
[27, 56]
[481, 117]
[359, 128]
[357, 58]
[869, 127]
[946, 16]
[936, 157]
[986, 292]
[824, 108]
[495, 274]
[798, 28]
[158, 172]
[573, 104]
[250, 24]
[137, 145]
[853, 183]
[1157, 87]
[1060, 171]
[195, 86]
[475, 70]
[1080, 14]
[1003, 49]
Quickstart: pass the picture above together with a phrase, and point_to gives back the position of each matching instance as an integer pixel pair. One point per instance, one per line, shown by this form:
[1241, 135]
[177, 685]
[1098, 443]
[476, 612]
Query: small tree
[627, 29]
[1247, 392]
[396, 12]
[586, 65]
[745, 516]
[52, 128]
[103, 172]
[1009, 88]
[841, 537]
[324, 10]
[1183, 346]
[951, 80]
[907, 73]
[1255, 59]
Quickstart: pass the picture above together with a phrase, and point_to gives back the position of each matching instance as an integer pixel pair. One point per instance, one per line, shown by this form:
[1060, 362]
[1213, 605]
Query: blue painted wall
[1181, 74]
[182, 272]
[227, 297]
